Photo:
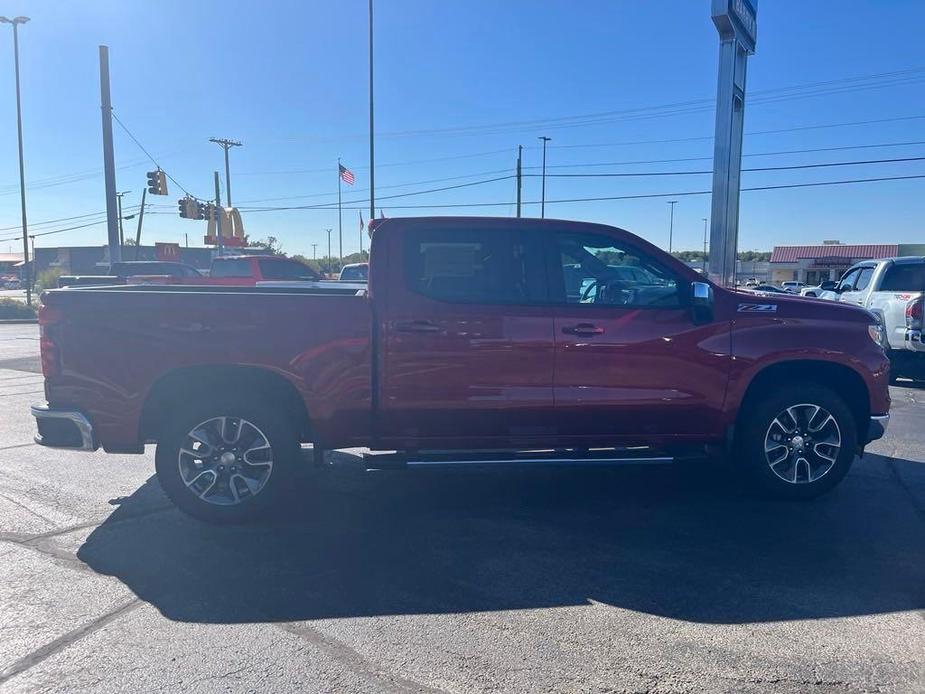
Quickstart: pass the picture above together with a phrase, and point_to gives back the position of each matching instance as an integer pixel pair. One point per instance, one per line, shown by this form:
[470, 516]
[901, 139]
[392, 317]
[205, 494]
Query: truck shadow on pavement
[681, 544]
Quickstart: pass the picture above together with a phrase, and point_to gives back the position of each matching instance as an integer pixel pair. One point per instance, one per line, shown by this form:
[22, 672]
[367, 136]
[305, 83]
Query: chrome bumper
[63, 429]
[878, 427]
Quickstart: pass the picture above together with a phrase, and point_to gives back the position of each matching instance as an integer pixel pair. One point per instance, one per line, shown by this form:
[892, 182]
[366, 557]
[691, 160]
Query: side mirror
[701, 302]
[828, 285]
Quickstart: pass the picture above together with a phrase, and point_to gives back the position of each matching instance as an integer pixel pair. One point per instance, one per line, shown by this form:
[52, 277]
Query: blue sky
[459, 84]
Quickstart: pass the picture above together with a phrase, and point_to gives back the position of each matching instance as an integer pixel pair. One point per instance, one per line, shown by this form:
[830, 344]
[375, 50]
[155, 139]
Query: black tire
[757, 426]
[268, 421]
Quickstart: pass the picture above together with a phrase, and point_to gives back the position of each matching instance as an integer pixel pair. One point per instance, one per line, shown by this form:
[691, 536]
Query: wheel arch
[842, 379]
[188, 383]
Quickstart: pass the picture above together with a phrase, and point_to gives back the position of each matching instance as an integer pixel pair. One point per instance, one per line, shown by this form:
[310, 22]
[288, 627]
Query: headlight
[876, 333]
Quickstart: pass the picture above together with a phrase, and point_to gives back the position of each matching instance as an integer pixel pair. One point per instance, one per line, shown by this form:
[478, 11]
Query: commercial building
[828, 261]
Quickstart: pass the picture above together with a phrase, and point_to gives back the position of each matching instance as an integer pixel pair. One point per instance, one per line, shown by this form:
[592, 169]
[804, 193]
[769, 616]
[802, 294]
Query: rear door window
[907, 277]
[487, 267]
[285, 270]
[233, 267]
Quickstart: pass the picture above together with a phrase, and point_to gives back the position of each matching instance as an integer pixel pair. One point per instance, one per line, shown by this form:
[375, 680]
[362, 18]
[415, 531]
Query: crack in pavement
[18, 445]
[62, 642]
[356, 662]
[34, 540]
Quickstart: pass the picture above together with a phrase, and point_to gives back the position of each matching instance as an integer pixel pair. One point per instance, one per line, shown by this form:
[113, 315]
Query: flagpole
[340, 221]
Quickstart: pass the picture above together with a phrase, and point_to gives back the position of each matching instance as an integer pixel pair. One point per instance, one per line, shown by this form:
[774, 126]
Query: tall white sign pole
[736, 22]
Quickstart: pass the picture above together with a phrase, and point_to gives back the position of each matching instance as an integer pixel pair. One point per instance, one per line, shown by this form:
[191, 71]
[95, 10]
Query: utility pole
[27, 274]
[543, 197]
[520, 152]
[218, 213]
[314, 251]
[704, 244]
[372, 141]
[119, 207]
[109, 164]
[226, 144]
[141, 217]
[672, 203]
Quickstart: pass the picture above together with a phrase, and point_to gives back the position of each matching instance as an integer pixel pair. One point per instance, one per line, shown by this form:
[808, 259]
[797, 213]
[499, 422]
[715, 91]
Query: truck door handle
[583, 329]
[418, 326]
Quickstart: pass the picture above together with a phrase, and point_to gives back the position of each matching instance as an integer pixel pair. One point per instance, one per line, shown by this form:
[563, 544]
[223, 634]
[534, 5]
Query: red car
[477, 339]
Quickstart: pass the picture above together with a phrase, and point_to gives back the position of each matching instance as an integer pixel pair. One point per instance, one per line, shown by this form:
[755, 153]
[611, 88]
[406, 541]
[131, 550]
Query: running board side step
[393, 461]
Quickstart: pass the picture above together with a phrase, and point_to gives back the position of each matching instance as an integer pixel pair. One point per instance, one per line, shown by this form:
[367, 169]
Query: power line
[327, 169]
[631, 174]
[616, 197]
[800, 128]
[753, 154]
[147, 153]
[394, 185]
[838, 86]
[55, 221]
[58, 231]
[332, 205]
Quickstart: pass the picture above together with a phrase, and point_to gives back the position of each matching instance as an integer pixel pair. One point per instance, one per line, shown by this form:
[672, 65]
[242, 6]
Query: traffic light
[157, 182]
[202, 210]
[189, 208]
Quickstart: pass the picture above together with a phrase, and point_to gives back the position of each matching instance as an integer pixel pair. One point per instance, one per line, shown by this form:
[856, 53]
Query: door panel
[630, 363]
[467, 354]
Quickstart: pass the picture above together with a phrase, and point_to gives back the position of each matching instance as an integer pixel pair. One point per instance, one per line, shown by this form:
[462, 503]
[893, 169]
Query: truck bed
[116, 343]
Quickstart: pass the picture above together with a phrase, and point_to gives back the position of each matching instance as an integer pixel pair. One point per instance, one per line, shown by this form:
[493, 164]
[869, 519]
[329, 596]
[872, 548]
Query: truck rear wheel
[226, 461]
[797, 442]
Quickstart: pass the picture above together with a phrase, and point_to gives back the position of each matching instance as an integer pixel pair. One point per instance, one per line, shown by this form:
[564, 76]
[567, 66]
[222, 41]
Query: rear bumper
[913, 341]
[877, 428]
[63, 429]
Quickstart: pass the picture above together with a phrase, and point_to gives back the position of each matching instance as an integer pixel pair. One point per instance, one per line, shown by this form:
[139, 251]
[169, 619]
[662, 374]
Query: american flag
[346, 175]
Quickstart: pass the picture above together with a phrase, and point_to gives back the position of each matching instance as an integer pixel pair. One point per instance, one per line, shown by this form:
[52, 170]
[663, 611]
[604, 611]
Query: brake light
[914, 310]
[49, 317]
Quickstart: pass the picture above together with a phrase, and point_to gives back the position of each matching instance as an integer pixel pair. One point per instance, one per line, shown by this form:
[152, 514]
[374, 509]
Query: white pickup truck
[892, 289]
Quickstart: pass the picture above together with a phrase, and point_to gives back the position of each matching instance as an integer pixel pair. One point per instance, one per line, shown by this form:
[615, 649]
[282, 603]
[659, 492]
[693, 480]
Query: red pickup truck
[477, 339]
[241, 270]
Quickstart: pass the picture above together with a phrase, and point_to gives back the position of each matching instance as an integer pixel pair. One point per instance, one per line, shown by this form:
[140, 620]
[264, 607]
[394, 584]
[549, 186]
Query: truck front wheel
[797, 442]
[226, 461]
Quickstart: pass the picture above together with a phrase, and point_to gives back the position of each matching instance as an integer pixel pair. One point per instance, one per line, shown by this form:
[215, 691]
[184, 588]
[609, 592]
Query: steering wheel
[604, 289]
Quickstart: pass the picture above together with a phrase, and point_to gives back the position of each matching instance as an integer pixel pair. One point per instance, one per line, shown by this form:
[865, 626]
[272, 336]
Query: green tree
[269, 245]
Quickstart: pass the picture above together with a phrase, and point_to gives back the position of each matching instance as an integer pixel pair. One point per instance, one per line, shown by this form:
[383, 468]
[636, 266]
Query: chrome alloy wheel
[802, 443]
[225, 460]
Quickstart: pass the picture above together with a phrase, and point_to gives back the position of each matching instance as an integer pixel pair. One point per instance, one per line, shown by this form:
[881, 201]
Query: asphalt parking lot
[605, 580]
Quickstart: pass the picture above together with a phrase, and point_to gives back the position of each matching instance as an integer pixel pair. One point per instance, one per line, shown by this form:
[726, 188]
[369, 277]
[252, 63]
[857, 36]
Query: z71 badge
[757, 308]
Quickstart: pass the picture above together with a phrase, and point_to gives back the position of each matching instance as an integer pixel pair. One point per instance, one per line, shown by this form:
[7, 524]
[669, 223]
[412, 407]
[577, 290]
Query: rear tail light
[49, 317]
[914, 313]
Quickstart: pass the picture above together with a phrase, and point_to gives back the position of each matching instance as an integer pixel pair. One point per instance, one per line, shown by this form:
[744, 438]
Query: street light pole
[226, 145]
[16, 21]
[329, 243]
[671, 223]
[314, 251]
[543, 196]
